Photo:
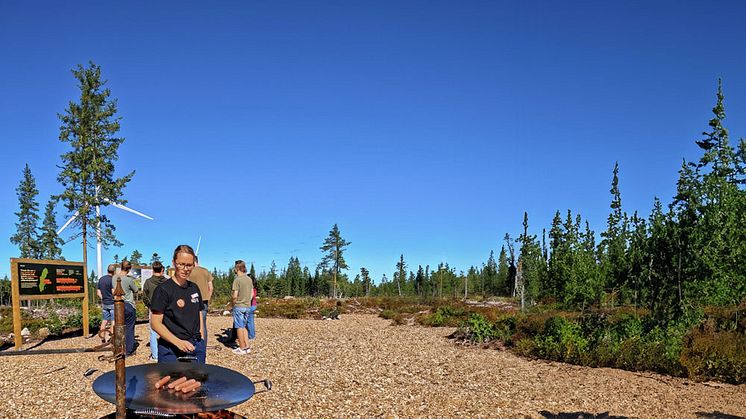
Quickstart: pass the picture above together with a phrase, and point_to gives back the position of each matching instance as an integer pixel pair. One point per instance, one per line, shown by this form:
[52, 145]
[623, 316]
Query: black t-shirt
[105, 285]
[180, 306]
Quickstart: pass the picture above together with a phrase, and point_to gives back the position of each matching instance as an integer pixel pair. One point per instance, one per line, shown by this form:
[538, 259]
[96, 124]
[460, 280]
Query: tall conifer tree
[49, 241]
[90, 127]
[334, 246]
[27, 236]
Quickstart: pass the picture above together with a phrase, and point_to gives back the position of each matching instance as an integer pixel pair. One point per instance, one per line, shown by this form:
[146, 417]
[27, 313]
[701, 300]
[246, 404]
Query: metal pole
[118, 341]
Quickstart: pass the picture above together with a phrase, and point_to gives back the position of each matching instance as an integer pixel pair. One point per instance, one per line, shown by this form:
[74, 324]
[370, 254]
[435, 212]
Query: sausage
[192, 387]
[184, 384]
[162, 382]
[177, 382]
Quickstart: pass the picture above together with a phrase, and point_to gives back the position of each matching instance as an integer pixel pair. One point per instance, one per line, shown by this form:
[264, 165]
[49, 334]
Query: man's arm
[209, 290]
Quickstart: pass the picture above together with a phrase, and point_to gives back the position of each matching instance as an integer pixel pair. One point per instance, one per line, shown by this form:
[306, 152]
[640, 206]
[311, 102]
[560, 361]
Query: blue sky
[423, 128]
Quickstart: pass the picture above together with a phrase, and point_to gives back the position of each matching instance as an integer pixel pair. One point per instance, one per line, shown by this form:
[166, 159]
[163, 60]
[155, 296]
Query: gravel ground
[362, 366]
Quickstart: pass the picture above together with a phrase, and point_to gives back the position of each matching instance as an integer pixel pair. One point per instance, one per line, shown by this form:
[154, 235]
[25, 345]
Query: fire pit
[220, 389]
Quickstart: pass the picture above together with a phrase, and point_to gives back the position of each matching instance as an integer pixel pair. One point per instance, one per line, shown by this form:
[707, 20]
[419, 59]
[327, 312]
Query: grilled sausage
[191, 387]
[177, 382]
[162, 382]
[184, 384]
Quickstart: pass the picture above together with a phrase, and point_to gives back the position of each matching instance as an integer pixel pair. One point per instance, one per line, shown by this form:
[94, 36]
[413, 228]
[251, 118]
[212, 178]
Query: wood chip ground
[362, 366]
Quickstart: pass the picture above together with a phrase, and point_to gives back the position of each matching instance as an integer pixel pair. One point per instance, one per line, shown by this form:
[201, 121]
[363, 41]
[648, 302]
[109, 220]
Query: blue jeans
[107, 312]
[250, 325]
[241, 317]
[129, 328]
[169, 353]
[153, 339]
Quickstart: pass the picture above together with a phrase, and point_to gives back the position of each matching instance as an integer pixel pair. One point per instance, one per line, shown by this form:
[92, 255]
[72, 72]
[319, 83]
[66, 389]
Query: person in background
[130, 315]
[252, 309]
[203, 278]
[176, 312]
[104, 292]
[147, 296]
[242, 292]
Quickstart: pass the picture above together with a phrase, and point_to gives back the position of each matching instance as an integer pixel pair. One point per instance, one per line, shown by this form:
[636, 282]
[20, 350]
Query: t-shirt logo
[180, 303]
[195, 297]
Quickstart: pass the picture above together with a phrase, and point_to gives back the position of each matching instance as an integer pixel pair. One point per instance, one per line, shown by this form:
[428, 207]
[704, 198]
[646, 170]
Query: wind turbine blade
[198, 243]
[67, 223]
[122, 207]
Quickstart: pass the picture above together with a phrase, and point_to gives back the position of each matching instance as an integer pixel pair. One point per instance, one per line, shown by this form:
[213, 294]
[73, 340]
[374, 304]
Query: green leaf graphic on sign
[42, 278]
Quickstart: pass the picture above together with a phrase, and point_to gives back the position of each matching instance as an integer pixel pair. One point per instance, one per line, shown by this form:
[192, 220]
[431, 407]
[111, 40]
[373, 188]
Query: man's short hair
[157, 266]
[240, 266]
[126, 265]
[112, 268]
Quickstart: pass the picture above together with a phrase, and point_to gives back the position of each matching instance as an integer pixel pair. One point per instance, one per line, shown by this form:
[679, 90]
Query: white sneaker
[239, 351]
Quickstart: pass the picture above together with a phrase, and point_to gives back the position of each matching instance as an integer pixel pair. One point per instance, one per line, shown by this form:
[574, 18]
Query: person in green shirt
[242, 292]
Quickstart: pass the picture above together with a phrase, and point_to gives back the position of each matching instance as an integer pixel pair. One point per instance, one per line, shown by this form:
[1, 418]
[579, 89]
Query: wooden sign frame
[15, 283]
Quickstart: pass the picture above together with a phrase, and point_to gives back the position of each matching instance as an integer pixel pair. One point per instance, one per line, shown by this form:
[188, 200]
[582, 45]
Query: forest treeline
[682, 256]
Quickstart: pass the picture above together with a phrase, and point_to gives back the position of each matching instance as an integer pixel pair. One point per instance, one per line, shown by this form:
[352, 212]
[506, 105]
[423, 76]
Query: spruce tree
[49, 241]
[365, 278]
[400, 275]
[614, 243]
[501, 286]
[719, 232]
[27, 237]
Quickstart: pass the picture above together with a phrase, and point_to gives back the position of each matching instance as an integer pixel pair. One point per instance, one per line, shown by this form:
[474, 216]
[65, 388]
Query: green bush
[480, 330]
[562, 340]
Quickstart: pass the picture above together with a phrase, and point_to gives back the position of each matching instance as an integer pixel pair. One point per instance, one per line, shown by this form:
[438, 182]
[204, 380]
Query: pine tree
[135, 257]
[27, 237]
[90, 127]
[50, 243]
[334, 246]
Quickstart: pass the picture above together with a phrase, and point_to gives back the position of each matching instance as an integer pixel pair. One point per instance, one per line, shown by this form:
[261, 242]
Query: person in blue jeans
[130, 315]
[148, 289]
[252, 310]
[104, 290]
[175, 309]
[242, 293]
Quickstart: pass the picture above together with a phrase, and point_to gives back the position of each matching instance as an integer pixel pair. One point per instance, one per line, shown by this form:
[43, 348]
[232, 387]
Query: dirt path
[362, 366]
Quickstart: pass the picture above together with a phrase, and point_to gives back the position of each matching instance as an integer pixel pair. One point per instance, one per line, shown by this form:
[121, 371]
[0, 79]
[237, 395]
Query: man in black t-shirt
[104, 292]
[175, 309]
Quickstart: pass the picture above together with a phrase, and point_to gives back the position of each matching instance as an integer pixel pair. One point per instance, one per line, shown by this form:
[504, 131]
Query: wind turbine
[99, 264]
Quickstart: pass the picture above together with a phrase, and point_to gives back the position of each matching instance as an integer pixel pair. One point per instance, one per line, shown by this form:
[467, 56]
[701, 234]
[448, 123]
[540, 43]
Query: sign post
[35, 279]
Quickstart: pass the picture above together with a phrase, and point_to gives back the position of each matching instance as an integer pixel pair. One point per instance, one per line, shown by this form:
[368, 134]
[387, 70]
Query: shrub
[715, 355]
[480, 330]
[388, 314]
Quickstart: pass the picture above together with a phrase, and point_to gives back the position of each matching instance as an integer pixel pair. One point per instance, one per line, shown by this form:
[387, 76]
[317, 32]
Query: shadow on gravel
[717, 415]
[579, 415]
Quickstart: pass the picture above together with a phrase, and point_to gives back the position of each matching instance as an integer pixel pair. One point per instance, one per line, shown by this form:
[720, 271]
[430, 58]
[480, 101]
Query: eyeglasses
[186, 266]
